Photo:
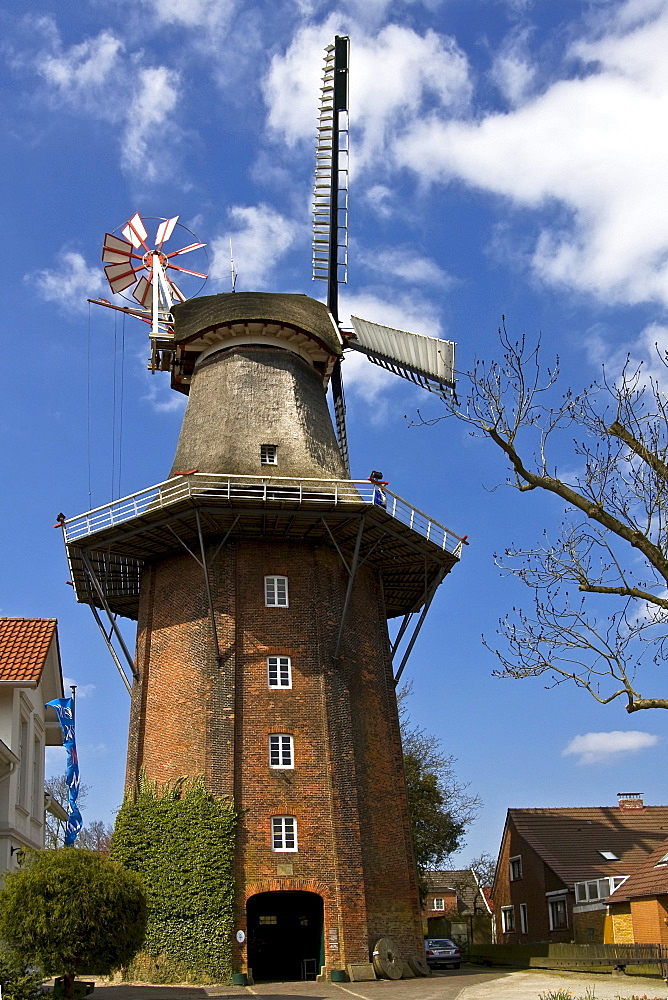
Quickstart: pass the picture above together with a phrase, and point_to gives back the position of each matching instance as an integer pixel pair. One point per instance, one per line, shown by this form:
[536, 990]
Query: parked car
[442, 951]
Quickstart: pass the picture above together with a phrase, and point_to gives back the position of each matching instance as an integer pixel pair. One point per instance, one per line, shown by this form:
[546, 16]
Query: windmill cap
[195, 317]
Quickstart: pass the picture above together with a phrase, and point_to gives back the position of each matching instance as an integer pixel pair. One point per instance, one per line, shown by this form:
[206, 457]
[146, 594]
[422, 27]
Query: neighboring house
[557, 867]
[30, 675]
[456, 907]
[638, 908]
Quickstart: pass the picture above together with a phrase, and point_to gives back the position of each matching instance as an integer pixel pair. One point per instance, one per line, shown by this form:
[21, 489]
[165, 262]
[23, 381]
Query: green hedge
[180, 839]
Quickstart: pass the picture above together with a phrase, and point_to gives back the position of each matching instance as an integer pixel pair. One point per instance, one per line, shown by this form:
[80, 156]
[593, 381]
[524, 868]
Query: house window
[507, 919]
[439, 904]
[601, 888]
[279, 671]
[524, 918]
[558, 914]
[283, 833]
[267, 920]
[281, 750]
[276, 591]
[22, 791]
[37, 780]
[609, 855]
[268, 454]
[662, 861]
[515, 868]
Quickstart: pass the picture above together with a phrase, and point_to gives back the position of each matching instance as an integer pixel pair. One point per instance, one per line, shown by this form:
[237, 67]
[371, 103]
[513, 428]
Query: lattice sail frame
[330, 193]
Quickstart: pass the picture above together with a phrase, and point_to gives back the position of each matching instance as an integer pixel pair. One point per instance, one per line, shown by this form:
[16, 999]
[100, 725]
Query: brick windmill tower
[262, 578]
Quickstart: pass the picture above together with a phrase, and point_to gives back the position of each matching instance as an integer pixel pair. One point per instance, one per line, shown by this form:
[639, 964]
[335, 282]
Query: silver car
[442, 951]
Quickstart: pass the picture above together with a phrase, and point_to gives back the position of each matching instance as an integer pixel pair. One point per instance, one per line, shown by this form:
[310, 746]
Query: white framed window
[276, 591]
[507, 918]
[524, 918]
[558, 914]
[516, 868]
[22, 788]
[279, 671]
[268, 454]
[601, 888]
[281, 750]
[283, 833]
[439, 903]
[37, 779]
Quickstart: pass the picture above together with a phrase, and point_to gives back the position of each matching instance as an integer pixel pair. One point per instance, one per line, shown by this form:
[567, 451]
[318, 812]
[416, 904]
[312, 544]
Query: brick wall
[649, 921]
[537, 879]
[192, 714]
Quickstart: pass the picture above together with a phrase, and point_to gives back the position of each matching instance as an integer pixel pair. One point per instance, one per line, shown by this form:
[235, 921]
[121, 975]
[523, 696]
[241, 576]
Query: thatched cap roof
[196, 316]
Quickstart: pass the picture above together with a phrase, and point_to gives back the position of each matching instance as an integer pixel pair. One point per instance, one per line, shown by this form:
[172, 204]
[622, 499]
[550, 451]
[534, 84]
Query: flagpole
[73, 689]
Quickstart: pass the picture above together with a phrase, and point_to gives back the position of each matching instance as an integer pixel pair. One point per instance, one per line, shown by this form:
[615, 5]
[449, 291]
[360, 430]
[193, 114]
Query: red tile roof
[649, 880]
[570, 840]
[24, 644]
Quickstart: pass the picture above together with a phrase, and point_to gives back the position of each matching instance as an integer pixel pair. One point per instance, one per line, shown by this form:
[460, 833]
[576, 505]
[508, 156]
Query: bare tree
[600, 581]
[96, 836]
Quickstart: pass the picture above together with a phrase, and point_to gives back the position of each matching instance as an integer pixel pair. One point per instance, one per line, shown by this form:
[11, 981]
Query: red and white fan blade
[143, 291]
[177, 291]
[120, 276]
[115, 250]
[165, 230]
[135, 231]
[193, 246]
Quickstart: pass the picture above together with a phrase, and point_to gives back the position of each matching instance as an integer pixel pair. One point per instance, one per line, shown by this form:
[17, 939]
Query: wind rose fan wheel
[134, 261]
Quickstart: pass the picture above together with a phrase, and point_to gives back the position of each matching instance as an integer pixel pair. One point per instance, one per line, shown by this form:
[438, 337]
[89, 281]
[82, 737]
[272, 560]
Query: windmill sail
[427, 361]
[330, 194]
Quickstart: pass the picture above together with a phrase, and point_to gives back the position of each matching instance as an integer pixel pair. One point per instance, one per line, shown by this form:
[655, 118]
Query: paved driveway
[469, 983]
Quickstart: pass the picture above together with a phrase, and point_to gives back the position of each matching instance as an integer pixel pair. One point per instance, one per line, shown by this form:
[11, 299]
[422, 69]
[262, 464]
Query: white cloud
[596, 748]
[100, 78]
[149, 110]
[407, 265]
[512, 71]
[260, 239]
[208, 14]
[593, 145]
[395, 74]
[79, 73]
[83, 690]
[69, 284]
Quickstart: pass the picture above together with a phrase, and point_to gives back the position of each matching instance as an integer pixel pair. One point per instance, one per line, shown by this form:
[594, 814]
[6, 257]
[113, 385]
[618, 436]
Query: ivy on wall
[180, 839]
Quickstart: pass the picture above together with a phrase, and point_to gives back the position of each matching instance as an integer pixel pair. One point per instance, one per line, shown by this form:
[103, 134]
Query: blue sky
[507, 157]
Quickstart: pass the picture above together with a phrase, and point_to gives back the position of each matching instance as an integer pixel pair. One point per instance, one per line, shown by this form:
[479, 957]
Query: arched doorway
[285, 935]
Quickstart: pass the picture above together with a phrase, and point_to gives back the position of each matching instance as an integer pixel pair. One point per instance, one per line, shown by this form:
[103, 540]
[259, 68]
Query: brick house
[456, 907]
[638, 908]
[557, 867]
[30, 675]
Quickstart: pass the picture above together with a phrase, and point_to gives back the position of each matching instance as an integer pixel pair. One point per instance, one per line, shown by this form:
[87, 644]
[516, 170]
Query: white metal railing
[266, 489]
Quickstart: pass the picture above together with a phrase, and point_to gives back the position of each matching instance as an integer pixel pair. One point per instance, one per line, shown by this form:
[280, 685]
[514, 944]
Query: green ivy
[180, 839]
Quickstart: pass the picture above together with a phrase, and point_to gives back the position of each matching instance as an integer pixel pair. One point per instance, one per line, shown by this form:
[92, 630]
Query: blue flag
[65, 711]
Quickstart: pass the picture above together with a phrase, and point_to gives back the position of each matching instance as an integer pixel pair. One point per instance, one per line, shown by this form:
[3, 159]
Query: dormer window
[268, 454]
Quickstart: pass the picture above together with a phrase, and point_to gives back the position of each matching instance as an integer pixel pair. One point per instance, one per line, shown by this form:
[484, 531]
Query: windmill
[426, 361]
[261, 578]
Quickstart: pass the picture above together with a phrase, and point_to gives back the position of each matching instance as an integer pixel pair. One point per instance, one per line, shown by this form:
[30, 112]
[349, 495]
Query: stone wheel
[418, 964]
[387, 960]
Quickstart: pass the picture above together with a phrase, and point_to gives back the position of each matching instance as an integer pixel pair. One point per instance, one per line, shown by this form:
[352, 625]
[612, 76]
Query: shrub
[72, 912]
[17, 980]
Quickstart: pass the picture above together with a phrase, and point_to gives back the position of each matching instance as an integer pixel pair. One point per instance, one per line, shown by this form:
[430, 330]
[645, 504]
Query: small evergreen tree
[72, 912]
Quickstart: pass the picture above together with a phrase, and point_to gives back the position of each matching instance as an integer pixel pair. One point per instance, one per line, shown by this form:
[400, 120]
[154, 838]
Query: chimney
[630, 800]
